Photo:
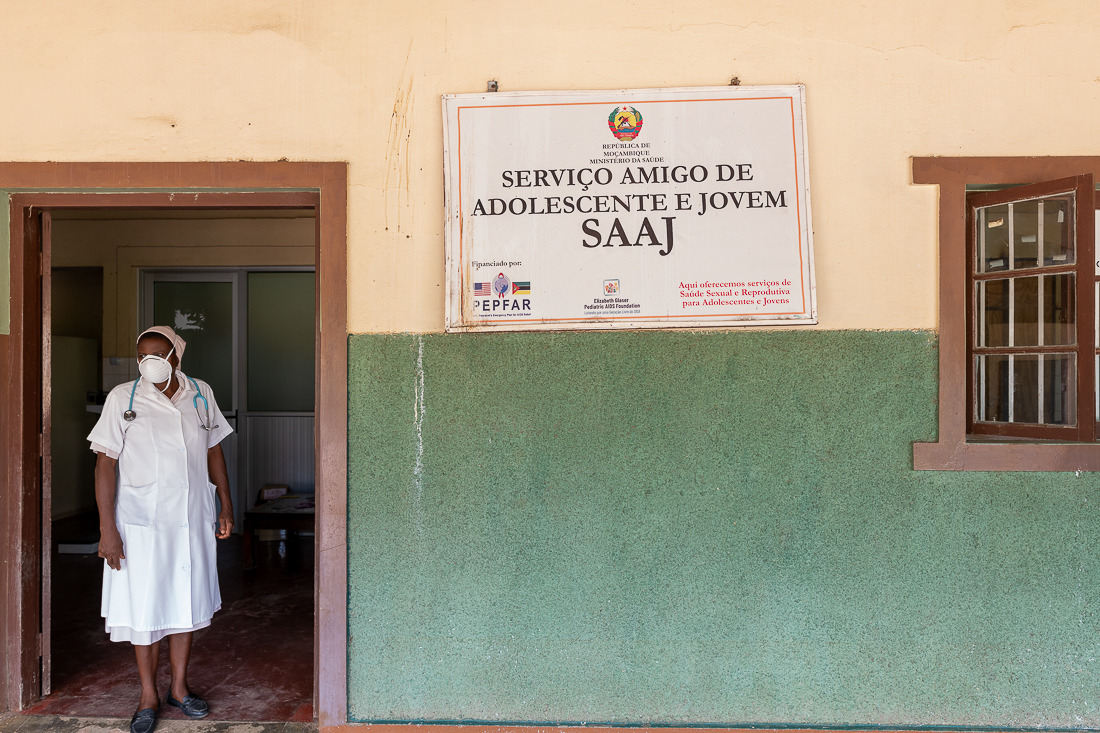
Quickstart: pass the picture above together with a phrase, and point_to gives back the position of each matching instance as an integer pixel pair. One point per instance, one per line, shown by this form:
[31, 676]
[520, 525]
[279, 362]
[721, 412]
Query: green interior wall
[701, 528]
[281, 331]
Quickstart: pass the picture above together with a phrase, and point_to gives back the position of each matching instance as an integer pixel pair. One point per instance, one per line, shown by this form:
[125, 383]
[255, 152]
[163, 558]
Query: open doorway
[95, 310]
[24, 371]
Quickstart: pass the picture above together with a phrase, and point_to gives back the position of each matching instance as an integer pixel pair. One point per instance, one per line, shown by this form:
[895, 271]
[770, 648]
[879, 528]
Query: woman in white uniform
[158, 469]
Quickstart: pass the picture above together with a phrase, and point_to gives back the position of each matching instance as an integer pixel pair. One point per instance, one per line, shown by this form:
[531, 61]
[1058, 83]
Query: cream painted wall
[122, 247]
[361, 81]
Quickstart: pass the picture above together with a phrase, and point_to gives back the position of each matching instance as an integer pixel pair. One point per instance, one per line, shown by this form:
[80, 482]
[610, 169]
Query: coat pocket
[210, 509]
[137, 505]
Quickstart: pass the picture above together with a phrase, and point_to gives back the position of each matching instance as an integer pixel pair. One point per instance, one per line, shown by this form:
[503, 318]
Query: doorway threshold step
[16, 723]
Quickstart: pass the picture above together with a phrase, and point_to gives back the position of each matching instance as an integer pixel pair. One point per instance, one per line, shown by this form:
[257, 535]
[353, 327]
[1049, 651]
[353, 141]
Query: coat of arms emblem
[625, 123]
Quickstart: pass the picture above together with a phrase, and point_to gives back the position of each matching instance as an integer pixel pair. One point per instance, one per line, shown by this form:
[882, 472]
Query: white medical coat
[165, 507]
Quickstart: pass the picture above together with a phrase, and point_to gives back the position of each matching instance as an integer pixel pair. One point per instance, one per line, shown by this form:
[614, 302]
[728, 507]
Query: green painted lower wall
[717, 528]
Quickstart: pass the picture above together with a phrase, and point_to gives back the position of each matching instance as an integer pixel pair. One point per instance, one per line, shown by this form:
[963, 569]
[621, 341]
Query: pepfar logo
[625, 123]
[500, 297]
[502, 286]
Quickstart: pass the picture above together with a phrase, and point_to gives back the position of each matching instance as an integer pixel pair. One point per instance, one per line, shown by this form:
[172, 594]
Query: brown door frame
[45, 238]
[42, 186]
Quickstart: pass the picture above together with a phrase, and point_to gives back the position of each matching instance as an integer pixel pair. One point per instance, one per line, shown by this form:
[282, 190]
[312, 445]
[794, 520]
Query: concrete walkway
[10, 723]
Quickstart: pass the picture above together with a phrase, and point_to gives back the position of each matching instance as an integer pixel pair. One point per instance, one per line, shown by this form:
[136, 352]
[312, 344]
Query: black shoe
[143, 721]
[192, 706]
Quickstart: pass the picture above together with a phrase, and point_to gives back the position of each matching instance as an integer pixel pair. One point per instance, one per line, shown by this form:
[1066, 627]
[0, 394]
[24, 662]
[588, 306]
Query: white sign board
[628, 209]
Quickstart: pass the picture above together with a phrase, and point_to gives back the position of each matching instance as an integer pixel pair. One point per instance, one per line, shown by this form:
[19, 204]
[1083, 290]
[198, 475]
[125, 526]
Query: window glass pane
[1057, 237]
[993, 387]
[1058, 310]
[1026, 315]
[202, 315]
[993, 300]
[1028, 306]
[281, 338]
[1025, 230]
[1025, 388]
[1059, 389]
[995, 233]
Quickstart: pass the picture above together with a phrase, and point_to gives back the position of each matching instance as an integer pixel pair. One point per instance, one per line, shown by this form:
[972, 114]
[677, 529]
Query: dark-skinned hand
[110, 548]
[225, 524]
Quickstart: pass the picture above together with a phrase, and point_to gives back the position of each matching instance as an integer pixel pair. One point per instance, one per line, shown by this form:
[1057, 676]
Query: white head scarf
[166, 331]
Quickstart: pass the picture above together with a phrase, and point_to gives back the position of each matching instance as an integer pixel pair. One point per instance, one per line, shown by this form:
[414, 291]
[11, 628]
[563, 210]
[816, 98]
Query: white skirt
[145, 638]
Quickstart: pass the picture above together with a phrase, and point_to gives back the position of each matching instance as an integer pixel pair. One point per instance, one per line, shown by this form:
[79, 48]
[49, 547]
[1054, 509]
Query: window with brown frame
[1032, 302]
[1021, 394]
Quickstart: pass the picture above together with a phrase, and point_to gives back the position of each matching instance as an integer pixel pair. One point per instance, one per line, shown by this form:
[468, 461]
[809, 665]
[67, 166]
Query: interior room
[238, 287]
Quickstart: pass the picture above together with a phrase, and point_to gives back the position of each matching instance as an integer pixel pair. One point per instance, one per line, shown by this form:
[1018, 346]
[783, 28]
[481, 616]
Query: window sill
[1002, 456]
[1011, 440]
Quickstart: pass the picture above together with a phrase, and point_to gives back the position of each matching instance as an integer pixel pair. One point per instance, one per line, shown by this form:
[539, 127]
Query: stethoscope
[130, 415]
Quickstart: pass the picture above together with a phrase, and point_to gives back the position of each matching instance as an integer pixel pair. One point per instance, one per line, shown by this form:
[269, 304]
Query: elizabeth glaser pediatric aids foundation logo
[625, 123]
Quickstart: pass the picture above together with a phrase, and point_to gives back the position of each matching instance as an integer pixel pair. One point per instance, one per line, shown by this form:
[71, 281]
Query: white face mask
[156, 369]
